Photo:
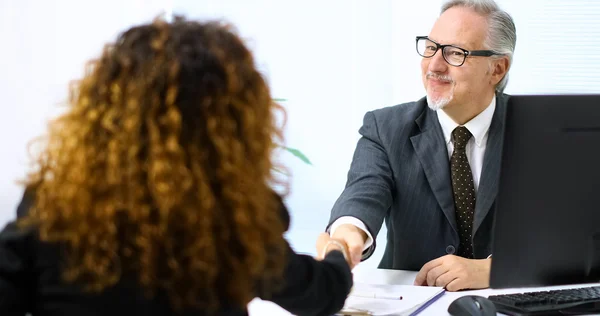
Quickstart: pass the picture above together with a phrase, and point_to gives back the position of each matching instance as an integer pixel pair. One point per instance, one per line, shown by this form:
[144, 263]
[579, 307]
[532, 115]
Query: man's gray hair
[502, 34]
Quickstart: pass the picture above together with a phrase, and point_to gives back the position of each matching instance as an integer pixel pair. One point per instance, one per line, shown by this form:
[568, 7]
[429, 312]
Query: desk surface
[379, 276]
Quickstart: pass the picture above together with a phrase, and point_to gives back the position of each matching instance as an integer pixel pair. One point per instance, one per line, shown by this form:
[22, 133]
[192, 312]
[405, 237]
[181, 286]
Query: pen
[377, 295]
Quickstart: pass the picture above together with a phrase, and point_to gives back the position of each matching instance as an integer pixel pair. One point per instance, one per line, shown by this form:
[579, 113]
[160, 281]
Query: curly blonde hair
[161, 168]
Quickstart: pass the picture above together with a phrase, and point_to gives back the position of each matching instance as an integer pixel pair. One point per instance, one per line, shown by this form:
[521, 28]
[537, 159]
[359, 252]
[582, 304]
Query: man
[430, 168]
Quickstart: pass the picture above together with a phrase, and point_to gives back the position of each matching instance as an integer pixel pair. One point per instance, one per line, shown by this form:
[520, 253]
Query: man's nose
[437, 63]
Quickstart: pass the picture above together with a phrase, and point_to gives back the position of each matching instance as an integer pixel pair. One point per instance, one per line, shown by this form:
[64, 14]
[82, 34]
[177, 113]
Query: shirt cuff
[353, 221]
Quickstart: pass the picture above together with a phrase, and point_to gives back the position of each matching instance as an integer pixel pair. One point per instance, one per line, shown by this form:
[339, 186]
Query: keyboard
[577, 301]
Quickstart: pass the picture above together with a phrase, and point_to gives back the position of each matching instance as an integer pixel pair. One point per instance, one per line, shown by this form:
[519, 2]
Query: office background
[331, 60]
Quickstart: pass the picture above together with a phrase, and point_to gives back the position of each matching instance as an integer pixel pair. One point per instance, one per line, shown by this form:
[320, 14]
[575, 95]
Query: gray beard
[440, 104]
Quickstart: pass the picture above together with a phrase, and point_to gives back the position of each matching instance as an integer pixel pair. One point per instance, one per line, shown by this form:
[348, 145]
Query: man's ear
[499, 69]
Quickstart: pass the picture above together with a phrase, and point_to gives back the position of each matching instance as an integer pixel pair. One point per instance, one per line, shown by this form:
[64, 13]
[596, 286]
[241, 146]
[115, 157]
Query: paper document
[388, 299]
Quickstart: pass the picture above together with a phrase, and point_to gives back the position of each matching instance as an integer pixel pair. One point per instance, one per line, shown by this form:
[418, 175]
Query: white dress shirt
[478, 126]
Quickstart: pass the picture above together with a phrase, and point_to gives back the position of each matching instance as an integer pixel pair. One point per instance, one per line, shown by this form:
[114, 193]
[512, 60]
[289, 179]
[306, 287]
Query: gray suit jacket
[400, 173]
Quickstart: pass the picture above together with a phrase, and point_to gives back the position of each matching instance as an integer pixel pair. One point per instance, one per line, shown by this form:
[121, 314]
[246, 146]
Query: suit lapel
[432, 152]
[490, 173]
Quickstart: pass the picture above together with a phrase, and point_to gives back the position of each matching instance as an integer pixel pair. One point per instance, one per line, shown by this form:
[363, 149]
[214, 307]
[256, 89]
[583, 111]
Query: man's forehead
[442, 41]
[460, 27]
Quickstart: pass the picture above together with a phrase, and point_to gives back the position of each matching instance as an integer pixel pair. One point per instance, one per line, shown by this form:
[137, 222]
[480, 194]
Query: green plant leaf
[298, 154]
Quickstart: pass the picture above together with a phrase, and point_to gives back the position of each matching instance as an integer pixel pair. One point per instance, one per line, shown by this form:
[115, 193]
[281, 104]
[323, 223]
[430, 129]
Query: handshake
[348, 239]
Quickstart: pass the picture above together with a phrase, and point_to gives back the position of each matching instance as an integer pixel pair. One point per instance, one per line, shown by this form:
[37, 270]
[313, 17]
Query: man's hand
[352, 237]
[326, 244]
[455, 273]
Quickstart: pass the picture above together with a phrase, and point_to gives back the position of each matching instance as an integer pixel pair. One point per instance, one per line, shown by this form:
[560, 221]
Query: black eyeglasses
[453, 55]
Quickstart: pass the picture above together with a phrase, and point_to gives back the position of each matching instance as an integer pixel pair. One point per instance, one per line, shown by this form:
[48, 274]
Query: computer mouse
[472, 305]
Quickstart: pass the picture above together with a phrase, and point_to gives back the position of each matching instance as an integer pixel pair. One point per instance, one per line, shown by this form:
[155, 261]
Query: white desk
[380, 276]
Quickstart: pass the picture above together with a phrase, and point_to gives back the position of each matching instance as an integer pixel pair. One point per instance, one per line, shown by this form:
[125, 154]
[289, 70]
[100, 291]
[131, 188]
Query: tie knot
[461, 136]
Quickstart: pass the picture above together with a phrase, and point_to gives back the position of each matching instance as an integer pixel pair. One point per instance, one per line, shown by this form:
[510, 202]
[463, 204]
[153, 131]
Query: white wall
[332, 60]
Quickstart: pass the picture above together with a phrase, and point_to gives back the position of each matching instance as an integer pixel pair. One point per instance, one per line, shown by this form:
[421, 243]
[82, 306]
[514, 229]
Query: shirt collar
[478, 126]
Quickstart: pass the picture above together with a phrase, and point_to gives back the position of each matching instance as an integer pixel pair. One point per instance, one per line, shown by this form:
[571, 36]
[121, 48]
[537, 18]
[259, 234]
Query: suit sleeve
[313, 287]
[368, 191]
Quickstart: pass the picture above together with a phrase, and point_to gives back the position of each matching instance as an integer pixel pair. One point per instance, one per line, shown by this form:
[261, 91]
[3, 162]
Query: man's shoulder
[400, 113]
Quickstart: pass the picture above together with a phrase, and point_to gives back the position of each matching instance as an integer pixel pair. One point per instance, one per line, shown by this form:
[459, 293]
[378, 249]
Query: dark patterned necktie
[464, 190]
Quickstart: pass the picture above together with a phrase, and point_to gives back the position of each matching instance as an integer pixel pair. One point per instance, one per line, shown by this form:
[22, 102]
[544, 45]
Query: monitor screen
[547, 216]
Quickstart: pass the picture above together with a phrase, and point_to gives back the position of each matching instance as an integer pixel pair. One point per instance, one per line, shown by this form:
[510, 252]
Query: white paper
[413, 297]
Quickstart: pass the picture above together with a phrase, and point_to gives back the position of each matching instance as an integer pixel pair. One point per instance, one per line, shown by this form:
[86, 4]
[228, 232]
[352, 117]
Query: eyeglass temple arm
[485, 53]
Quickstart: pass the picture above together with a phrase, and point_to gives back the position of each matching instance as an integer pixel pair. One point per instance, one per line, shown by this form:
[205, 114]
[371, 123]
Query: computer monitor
[547, 216]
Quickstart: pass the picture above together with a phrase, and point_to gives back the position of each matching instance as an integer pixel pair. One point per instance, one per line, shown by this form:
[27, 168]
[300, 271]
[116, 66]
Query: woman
[152, 193]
